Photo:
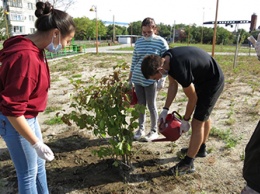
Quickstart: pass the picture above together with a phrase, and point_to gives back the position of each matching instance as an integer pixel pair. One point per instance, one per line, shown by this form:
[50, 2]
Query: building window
[17, 29]
[16, 17]
[15, 3]
[31, 18]
[30, 6]
[32, 30]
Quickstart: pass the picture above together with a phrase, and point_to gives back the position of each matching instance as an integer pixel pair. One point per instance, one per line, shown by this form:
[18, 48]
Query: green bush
[103, 105]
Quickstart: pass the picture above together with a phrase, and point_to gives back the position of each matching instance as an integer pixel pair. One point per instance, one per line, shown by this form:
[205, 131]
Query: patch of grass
[230, 121]
[183, 99]
[76, 76]
[103, 64]
[50, 109]
[253, 84]
[53, 121]
[225, 135]
[125, 48]
[65, 66]
[206, 47]
[55, 78]
[242, 156]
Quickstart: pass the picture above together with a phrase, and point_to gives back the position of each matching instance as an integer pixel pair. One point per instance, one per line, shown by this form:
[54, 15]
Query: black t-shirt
[193, 65]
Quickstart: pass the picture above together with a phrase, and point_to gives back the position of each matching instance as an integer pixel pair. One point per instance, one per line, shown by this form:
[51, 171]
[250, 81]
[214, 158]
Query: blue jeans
[30, 169]
[147, 95]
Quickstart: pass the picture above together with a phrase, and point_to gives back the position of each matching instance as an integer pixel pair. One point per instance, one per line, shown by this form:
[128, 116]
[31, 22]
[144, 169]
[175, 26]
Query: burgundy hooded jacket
[24, 78]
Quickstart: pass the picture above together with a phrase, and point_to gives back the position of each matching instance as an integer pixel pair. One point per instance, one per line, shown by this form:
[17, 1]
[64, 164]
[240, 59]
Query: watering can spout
[162, 139]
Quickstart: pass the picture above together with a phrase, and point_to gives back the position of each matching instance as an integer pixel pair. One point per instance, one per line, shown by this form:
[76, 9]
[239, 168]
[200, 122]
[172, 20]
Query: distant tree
[119, 30]
[242, 36]
[3, 23]
[83, 31]
[208, 35]
[164, 30]
[86, 28]
[134, 28]
[224, 36]
[125, 32]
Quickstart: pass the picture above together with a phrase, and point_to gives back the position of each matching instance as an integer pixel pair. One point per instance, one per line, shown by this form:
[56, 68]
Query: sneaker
[139, 134]
[201, 153]
[181, 168]
[151, 136]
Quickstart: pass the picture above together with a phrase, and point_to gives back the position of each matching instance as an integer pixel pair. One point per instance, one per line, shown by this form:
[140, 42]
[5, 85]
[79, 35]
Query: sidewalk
[109, 49]
[112, 49]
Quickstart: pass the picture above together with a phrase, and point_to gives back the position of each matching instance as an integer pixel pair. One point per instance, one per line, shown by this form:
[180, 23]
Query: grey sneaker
[151, 136]
[139, 134]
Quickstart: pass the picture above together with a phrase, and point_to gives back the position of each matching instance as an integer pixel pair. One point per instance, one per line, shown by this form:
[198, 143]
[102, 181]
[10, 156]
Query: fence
[68, 50]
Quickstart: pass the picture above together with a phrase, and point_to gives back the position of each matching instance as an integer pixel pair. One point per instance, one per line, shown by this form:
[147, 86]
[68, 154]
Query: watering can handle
[180, 117]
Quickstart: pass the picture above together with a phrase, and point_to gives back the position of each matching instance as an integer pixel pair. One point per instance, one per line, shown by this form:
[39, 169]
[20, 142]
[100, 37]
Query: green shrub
[102, 105]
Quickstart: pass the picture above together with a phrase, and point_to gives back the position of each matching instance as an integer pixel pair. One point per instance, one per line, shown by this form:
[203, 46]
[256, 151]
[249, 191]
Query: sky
[187, 12]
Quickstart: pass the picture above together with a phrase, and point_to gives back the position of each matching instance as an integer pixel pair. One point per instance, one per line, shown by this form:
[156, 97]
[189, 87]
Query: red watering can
[170, 129]
[133, 97]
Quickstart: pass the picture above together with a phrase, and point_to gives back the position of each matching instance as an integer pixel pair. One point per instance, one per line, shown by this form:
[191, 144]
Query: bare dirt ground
[76, 170]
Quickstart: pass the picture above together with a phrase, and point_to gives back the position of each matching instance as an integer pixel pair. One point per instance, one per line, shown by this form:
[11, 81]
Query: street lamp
[94, 8]
[114, 30]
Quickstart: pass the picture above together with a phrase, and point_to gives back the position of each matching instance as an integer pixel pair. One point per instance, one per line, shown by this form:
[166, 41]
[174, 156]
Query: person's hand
[163, 115]
[43, 151]
[130, 84]
[185, 126]
[160, 84]
[256, 44]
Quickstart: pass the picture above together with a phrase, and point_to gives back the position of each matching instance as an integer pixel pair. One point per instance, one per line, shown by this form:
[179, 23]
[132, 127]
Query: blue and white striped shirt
[157, 45]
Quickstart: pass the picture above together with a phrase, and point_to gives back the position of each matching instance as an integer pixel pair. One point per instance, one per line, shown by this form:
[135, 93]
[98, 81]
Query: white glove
[43, 151]
[256, 44]
[163, 115]
[257, 48]
[185, 126]
[160, 84]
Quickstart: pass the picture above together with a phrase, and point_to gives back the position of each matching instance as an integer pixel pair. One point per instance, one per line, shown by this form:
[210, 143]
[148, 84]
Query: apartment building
[20, 16]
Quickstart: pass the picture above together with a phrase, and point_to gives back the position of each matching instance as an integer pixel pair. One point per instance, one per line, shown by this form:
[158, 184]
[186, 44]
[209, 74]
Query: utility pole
[215, 31]
[131, 25]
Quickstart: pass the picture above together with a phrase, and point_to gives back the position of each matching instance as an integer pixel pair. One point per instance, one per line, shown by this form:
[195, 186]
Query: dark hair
[50, 18]
[150, 65]
[149, 22]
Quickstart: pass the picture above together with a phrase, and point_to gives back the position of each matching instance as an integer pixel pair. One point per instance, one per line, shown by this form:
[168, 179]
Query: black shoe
[201, 153]
[181, 168]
